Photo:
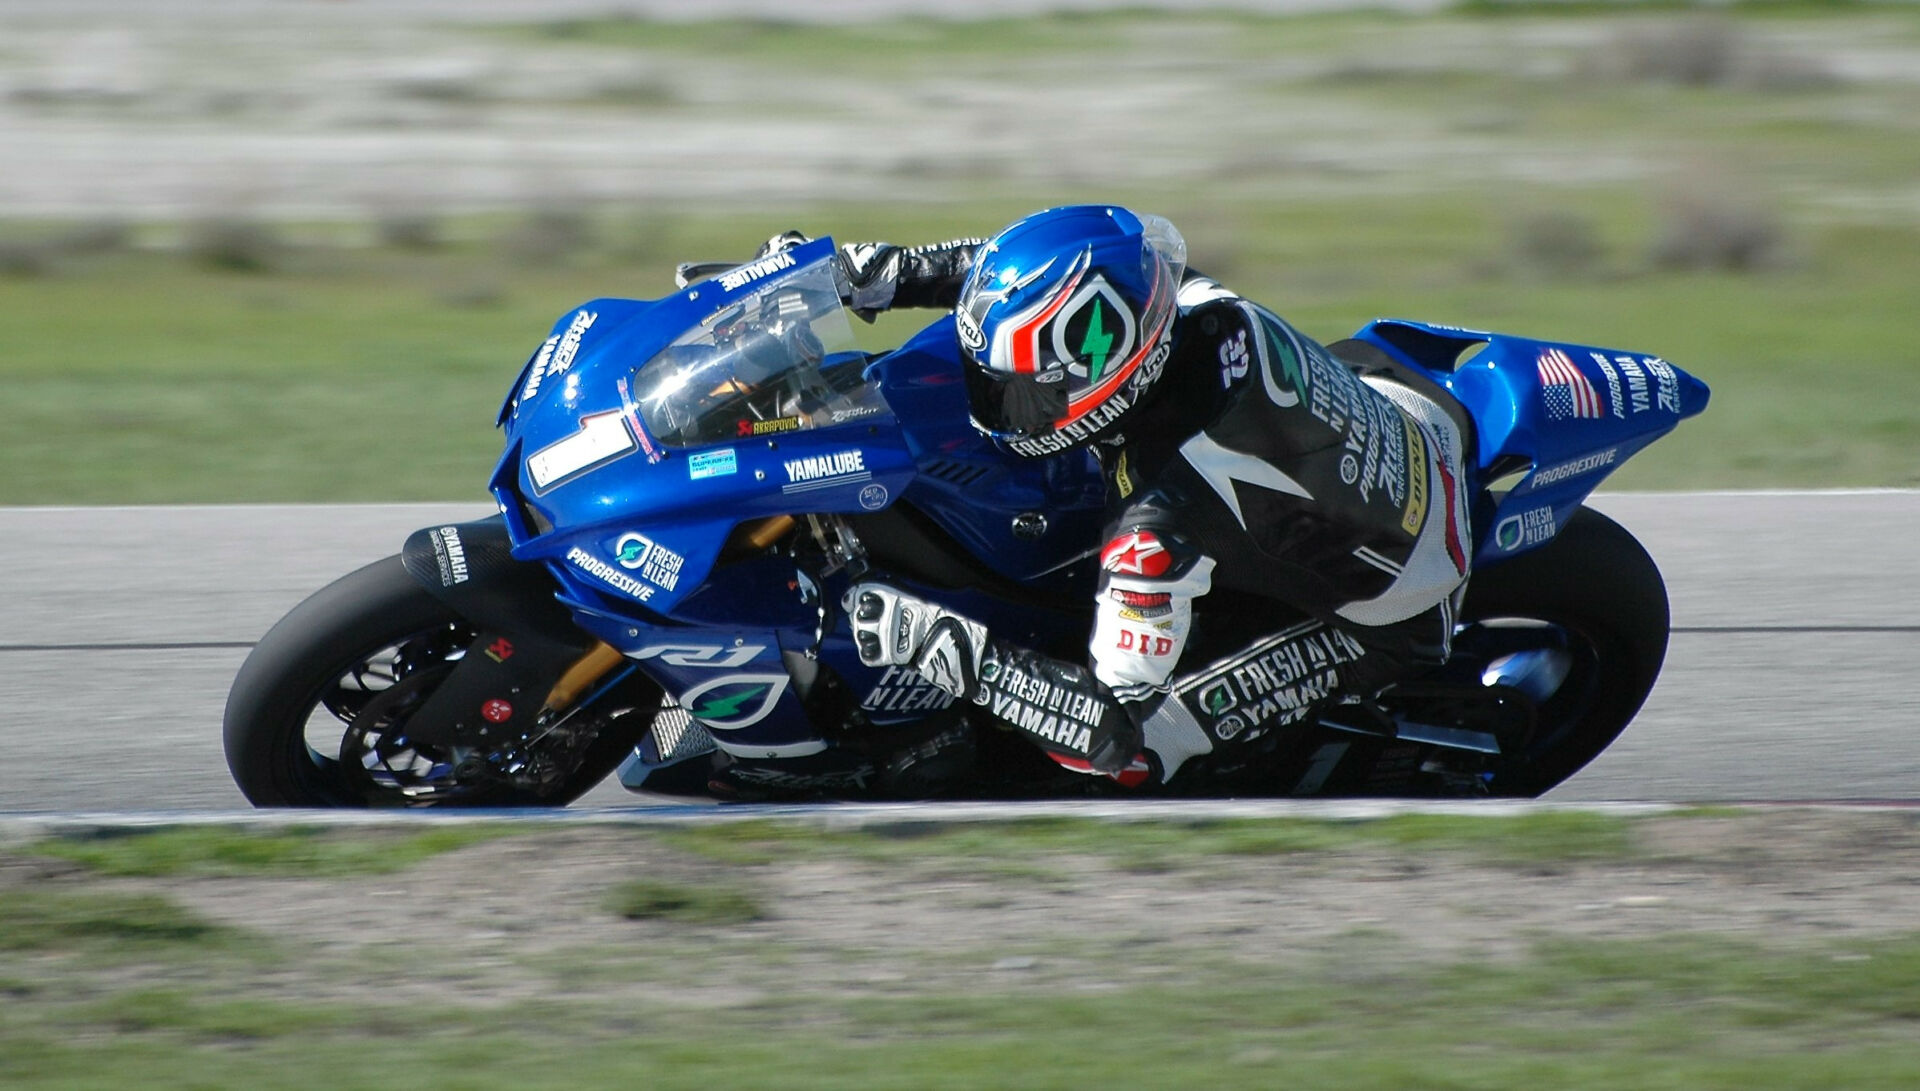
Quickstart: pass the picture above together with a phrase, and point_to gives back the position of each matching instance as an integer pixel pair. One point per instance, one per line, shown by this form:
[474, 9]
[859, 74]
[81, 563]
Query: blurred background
[296, 249]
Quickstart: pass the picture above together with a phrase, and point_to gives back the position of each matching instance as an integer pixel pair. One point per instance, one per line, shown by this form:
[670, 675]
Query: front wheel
[317, 714]
[1594, 607]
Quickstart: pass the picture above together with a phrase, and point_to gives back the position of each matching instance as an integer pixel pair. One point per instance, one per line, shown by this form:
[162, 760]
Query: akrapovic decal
[842, 780]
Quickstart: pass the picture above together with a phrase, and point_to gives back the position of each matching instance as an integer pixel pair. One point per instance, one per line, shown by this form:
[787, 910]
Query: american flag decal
[1567, 391]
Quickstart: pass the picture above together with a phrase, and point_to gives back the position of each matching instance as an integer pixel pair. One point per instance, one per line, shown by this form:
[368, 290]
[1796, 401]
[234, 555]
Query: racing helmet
[1065, 320]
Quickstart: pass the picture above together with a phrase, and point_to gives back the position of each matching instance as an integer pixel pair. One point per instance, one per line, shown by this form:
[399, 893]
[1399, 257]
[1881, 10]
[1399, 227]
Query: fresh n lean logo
[1098, 329]
[735, 700]
[727, 706]
[654, 562]
[1217, 698]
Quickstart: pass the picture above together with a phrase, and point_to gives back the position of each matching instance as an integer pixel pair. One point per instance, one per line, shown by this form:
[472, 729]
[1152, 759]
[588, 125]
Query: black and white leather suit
[1283, 528]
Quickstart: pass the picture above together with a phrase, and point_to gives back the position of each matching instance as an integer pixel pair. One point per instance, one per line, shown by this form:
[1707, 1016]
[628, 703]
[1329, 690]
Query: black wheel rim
[353, 742]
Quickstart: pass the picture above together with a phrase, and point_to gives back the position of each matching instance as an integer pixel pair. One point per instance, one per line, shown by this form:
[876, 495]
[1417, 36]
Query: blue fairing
[631, 523]
[638, 438]
[685, 501]
[1564, 415]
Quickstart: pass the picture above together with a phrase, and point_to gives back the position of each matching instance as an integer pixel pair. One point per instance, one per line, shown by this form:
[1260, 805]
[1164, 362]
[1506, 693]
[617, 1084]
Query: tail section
[1561, 416]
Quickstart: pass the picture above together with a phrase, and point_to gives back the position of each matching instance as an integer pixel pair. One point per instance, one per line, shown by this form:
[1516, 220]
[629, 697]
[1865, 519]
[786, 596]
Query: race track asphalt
[1788, 676]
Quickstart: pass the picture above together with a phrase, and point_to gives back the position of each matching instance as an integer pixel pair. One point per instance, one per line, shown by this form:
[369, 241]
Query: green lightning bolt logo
[1291, 374]
[1097, 343]
[724, 708]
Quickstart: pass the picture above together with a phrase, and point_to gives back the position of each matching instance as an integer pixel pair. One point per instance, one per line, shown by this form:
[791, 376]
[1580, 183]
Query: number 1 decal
[602, 438]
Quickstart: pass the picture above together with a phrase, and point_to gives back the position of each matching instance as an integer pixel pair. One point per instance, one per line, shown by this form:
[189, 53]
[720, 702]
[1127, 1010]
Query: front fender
[526, 638]
[470, 567]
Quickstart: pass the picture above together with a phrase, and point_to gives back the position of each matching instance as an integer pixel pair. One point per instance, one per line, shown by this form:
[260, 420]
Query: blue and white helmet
[1065, 320]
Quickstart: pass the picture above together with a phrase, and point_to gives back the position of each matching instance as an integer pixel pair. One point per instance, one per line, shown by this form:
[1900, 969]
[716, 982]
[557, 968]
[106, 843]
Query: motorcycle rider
[1313, 499]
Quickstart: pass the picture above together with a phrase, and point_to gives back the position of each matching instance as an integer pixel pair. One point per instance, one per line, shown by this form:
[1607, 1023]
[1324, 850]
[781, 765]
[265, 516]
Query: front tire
[370, 647]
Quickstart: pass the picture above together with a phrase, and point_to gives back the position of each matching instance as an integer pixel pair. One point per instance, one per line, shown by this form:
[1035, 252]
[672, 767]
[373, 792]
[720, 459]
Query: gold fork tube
[587, 670]
[768, 531]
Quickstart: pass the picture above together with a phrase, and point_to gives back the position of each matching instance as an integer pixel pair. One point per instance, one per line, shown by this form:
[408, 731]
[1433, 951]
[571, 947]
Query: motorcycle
[689, 485]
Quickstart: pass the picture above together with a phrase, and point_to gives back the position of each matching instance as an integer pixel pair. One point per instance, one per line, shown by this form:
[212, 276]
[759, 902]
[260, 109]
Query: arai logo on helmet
[970, 336]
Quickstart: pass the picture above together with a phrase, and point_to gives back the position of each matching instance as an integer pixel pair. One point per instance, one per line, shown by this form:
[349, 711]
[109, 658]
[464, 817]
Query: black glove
[785, 240]
[882, 276]
[879, 276]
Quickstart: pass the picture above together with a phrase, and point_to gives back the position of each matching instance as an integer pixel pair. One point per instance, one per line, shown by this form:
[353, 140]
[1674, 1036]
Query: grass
[199, 1018]
[893, 45]
[291, 362]
[100, 987]
[146, 379]
[125, 925]
[1672, 1013]
[219, 851]
[311, 852]
[686, 903]
[1528, 841]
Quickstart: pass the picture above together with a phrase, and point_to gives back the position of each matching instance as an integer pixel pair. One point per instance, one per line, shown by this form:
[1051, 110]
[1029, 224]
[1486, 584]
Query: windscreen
[781, 359]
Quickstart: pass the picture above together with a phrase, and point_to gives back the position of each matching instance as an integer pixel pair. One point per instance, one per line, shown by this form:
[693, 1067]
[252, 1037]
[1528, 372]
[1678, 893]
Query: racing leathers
[1315, 515]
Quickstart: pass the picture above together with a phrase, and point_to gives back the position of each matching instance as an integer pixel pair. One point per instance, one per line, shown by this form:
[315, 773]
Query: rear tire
[295, 676]
[1595, 581]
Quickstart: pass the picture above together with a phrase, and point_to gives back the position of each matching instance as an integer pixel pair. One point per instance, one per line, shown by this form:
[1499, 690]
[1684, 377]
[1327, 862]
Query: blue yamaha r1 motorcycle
[690, 483]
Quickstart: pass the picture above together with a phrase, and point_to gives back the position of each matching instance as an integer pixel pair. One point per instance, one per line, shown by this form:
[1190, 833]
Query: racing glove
[785, 240]
[894, 629]
[1060, 706]
[880, 276]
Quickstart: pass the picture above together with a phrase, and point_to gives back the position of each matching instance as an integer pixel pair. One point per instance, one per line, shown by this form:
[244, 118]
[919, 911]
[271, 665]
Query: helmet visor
[1012, 406]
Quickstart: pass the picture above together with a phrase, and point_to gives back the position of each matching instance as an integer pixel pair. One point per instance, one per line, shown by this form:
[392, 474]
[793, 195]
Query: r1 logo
[699, 655]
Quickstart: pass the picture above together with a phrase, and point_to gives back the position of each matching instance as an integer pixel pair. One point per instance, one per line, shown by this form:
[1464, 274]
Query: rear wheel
[1588, 612]
[317, 715]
